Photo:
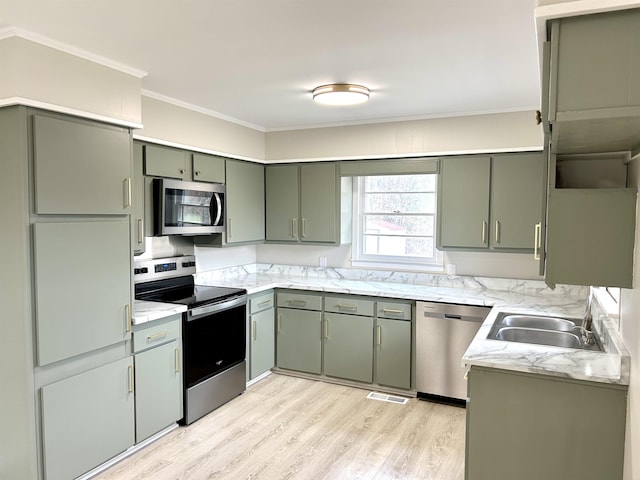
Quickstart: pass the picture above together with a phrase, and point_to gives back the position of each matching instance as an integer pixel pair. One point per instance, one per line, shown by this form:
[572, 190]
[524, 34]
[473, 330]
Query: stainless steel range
[213, 331]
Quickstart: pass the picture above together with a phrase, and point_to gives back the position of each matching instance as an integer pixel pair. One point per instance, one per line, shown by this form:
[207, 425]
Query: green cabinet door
[208, 168]
[262, 330]
[245, 202]
[87, 419]
[319, 203]
[348, 347]
[517, 188]
[590, 237]
[282, 193]
[158, 380]
[166, 162]
[80, 306]
[463, 199]
[81, 167]
[137, 214]
[299, 340]
[531, 427]
[393, 353]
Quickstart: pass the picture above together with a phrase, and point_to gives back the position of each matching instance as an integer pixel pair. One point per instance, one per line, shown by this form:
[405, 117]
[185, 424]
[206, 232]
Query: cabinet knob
[197, 173]
[182, 171]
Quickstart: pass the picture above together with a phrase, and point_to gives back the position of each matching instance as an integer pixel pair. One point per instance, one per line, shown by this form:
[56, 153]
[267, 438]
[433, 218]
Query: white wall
[38, 75]
[630, 330]
[467, 134]
[173, 124]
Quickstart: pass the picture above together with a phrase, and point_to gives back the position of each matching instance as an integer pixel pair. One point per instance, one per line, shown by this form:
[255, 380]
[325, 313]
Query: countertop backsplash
[412, 278]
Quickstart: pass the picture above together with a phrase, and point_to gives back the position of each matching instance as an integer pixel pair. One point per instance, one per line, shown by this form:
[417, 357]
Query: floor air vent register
[383, 397]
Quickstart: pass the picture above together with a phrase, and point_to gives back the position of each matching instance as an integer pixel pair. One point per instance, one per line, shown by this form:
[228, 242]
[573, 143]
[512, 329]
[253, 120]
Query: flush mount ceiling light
[340, 94]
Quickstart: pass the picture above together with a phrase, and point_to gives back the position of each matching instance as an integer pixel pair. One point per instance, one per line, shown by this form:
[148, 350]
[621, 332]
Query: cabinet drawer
[348, 305]
[156, 335]
[300, 300]
[261, 302]
[401, 311]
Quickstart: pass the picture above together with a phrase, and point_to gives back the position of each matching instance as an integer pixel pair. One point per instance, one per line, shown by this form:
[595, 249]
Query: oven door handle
[198, 312]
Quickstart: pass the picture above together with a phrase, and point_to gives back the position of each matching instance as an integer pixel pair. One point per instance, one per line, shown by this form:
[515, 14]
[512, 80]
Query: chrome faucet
[587, 324]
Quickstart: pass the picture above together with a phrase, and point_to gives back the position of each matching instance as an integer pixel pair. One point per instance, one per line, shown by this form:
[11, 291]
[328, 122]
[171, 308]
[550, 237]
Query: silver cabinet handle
[299, 303]
[157, 336]
[177, 360]
[326, 328]
[497, 231]
[294, 227]
[484, 231]
[229, 227]
[347, 307]
[140, 231]
[131, 382]
[255, 331]
[279, 322]
[127, 312]
[379, 332]
[127, 192]
[392, 310]
[265, 302]
[304, 227]
[537, 231]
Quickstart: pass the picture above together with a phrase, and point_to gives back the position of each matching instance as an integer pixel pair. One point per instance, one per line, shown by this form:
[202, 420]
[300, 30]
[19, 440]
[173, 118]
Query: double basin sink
[542, 330]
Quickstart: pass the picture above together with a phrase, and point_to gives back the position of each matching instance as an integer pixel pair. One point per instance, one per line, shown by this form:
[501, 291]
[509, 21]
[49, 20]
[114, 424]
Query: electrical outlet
[322, 261]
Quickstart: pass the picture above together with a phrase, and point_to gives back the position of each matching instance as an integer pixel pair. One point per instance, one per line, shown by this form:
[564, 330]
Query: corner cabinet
[529, 426]
[303, 203]
[491, 202]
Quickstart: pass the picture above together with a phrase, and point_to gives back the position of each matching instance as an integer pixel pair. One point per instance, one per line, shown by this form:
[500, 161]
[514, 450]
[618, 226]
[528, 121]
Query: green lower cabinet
[531, 427]
[87, 419]
[393, 353]
[348, 347]
[299, 340]
[262, 342]
[158, 389]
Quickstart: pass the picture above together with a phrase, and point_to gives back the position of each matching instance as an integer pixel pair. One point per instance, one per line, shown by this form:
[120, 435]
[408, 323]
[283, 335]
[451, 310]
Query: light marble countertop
[611, 366]
[144, 311]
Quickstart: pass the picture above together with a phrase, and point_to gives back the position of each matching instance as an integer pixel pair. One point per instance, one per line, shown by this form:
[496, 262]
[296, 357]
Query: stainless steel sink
[541, 330]
[537, 321]
[539, 337]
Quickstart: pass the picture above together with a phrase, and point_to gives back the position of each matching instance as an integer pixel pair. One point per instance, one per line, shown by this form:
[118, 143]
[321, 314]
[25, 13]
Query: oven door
[188, 208]
[214, 339]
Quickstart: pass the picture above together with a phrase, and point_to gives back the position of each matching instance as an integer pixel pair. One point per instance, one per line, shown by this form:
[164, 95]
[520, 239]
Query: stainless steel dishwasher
[443, 333]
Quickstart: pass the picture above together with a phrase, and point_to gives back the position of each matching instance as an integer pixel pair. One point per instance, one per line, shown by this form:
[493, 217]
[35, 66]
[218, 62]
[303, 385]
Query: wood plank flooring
[290, 428]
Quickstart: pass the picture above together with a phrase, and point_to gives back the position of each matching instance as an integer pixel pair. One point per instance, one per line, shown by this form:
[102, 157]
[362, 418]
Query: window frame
[434, 264]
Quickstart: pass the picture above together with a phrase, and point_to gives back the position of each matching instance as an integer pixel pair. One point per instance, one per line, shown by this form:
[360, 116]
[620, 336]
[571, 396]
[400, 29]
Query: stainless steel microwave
[188, 208]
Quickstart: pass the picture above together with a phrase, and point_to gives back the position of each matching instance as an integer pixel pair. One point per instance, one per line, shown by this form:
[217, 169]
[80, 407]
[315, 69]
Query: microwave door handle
[218, 213]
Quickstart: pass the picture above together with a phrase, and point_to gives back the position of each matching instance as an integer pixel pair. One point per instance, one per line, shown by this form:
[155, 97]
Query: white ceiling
[256, 61]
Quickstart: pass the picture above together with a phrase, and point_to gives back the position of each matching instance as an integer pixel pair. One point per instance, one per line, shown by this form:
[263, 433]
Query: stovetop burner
[173, 286]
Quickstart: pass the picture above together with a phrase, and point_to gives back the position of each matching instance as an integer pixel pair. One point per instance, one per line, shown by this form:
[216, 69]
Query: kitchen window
[395, 222]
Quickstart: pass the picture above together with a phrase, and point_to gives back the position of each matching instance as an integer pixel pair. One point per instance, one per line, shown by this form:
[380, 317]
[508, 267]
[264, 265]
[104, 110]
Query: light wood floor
[290, 428]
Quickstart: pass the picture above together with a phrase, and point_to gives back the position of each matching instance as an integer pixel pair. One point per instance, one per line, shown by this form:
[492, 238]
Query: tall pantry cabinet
[78, 184]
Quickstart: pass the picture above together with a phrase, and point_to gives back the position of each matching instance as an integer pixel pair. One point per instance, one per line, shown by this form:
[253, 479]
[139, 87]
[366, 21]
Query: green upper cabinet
[208, 168]
[463, 202]
[303, 203]
[245, 202]
[517, 198]
[590, 237]
[594, 85]
[137, 213]
[167, 162]
[75, 159]
[282, 184]
[491, 202]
